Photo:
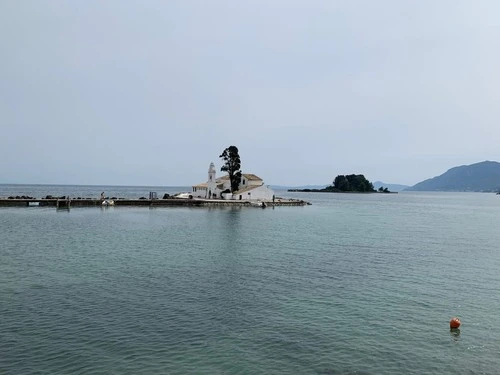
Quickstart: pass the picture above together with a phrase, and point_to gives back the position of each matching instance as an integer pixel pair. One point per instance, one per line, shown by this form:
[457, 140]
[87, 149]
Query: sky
[150, 92]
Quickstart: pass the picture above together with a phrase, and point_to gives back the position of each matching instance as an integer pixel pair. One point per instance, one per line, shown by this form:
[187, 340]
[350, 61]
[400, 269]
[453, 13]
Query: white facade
[200, 191]
[251, 188]
[261, 193]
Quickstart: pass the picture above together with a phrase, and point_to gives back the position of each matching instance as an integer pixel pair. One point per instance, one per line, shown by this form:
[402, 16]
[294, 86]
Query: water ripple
[327, 290]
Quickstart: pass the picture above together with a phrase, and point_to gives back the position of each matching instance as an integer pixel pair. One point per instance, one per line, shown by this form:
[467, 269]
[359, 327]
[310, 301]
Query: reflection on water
[455, 333]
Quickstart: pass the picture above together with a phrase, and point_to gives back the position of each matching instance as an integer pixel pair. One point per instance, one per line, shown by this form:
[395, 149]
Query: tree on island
[353, 182]
[232, 165]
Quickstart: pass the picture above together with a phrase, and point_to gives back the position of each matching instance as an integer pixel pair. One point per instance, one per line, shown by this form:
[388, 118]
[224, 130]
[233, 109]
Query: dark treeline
[355, 183]
[352, 182]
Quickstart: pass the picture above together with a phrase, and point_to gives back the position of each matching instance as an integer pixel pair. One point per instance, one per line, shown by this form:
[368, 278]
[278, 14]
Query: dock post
[152, 197]
[63, 203]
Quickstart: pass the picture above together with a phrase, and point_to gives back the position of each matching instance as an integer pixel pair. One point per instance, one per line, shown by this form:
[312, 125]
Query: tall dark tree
[232, 165]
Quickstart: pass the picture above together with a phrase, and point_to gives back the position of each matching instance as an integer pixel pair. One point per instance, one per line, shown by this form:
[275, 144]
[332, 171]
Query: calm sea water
[354, 284]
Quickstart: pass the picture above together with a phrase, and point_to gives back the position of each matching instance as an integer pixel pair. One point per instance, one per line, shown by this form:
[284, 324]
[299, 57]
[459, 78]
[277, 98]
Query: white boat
[184, 195]
[108, 202]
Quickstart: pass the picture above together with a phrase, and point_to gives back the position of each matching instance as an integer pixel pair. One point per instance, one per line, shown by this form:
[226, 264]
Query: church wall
[260, 193]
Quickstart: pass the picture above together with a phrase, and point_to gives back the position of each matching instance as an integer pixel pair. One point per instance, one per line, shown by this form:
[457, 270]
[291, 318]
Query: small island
[353, 183]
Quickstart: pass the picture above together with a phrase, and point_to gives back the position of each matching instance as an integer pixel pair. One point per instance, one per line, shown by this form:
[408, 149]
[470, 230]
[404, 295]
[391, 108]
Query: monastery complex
[251, 188]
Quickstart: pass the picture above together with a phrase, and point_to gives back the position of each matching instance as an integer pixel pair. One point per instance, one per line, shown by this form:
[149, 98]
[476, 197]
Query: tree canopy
[352, 182]
[232, 165]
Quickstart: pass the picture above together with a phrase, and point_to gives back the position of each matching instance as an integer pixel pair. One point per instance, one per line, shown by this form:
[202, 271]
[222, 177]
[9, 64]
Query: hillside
[483, 176]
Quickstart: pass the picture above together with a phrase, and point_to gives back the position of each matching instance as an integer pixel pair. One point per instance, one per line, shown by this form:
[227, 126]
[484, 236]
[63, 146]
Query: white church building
[251, 187]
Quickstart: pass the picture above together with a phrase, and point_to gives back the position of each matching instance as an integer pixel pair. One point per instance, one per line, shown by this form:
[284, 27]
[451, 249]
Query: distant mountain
[484, 176]
[391, 187]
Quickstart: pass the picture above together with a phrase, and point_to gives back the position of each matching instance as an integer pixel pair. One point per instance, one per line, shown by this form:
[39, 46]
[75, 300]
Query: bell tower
[211, 184]
[211, 173]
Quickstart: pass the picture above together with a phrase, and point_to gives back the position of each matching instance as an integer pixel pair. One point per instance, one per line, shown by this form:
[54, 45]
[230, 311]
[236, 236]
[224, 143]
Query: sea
[352, 284]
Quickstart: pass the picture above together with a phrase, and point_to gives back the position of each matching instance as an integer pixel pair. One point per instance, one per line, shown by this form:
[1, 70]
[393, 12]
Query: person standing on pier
[102, 196]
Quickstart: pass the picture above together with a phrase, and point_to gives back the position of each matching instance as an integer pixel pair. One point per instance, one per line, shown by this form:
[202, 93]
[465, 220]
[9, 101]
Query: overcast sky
[150, 92]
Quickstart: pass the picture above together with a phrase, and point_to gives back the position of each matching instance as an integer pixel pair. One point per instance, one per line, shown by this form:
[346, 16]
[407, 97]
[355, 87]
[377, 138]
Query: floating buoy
[454, 323]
